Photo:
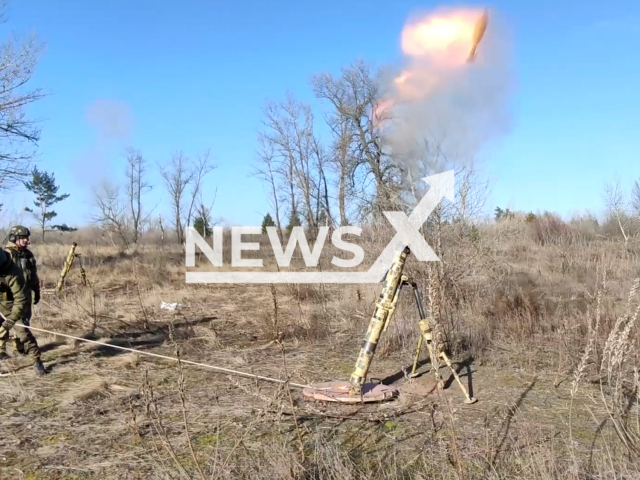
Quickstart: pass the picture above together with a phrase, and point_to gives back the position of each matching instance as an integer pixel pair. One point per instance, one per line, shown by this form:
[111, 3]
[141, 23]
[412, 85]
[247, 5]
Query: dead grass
[551, 350]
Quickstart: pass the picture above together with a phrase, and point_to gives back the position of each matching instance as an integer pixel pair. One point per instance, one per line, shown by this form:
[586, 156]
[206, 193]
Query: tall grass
[544, 296]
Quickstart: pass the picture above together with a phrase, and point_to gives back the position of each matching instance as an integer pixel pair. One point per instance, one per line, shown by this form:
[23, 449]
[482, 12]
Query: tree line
[121, 211]
[312, 181]
[342, 180]
[333, 168]
[118, 208]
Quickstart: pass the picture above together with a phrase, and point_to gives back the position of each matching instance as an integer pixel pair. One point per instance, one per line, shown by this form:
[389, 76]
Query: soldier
[17, 246]
[11, 303]
[15, 306]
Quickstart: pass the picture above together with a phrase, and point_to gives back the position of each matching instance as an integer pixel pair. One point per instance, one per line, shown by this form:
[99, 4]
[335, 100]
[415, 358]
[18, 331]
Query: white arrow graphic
[407, 228]
[407, 234]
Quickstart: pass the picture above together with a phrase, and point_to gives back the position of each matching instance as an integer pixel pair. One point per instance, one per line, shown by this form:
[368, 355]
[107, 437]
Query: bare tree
[183, 180]
[177, 177]
[203, 219]
[200, 168]
[266, 171]
[111, 214]
[617, 209]
[136, 187]
[323, 206]
[635, 198]
[341, 161]
[161, 227]
[355, 97]
[18, 134]
[289, 131]
[471, 195]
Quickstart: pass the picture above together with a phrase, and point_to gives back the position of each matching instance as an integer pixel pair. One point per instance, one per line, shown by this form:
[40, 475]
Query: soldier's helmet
[18, 231]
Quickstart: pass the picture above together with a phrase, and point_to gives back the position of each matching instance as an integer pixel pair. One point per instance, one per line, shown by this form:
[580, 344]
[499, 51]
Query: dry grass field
[540, 318]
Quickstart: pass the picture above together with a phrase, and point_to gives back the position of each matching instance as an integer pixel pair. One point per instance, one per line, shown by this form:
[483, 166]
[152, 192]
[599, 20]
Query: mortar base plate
[338, 391]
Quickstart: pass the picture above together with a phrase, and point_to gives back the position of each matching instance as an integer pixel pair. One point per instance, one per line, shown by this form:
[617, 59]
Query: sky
[166, 76]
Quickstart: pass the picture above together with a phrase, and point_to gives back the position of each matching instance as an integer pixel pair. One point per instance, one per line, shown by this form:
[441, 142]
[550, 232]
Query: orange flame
[435, 45]
[448, 38]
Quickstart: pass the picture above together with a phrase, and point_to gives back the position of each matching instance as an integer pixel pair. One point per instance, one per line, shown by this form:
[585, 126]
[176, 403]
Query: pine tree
[294, 221]
[43, 186]
[267, 221]
[201, 224]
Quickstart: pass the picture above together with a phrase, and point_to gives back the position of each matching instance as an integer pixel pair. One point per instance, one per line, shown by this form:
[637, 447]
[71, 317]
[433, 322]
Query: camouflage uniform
[16, 292]
[25, 259]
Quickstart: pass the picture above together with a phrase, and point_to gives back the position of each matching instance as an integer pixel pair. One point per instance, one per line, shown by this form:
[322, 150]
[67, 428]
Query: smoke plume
[111, 118]
[112, 122]
[443, 108]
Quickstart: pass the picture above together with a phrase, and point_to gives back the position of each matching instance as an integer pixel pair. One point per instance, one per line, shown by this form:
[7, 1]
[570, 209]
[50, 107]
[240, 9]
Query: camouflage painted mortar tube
[384, 307]
[403, 281]
[67, 267]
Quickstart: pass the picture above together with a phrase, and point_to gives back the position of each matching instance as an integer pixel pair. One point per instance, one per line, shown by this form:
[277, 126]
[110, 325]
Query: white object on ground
[170, 306]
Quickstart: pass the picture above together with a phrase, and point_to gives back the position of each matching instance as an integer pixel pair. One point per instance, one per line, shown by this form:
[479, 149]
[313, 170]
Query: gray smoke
[112, 122]
[112, 119]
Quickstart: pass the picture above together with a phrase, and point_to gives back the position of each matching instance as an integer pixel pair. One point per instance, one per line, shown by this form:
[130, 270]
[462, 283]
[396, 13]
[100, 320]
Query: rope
[140, 352]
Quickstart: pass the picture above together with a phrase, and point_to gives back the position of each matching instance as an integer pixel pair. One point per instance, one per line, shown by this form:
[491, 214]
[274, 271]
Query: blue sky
[194, 75]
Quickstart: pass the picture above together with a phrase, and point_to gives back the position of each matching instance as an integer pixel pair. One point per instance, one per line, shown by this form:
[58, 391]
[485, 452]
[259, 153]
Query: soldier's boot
[4, 356]
[39, 367]
[19, 346]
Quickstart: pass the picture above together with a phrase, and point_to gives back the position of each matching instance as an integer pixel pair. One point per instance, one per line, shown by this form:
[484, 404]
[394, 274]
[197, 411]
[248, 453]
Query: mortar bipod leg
[416, 358]
[455, 375]
[425, 332]
[421, 312]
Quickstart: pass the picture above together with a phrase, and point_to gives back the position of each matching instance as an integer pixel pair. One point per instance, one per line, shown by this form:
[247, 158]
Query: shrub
[548, 228]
